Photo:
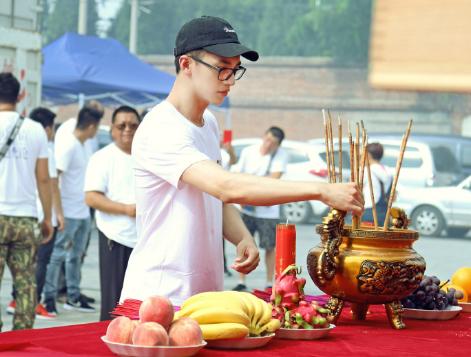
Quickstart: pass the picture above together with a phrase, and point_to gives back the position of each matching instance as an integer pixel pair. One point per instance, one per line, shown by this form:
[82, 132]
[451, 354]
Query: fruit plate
[122, 349]
[419, 314]
[466, 306]
[245, 343]
[303, 334]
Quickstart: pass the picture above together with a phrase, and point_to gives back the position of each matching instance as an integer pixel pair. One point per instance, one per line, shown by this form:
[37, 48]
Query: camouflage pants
[18, 247]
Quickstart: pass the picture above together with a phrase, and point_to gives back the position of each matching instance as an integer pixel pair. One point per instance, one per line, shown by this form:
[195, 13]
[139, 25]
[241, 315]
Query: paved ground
[442, 254]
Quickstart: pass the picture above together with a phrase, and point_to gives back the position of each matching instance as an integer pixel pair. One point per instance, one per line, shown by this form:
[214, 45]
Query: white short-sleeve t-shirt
[17, 168]
[52, 174]
[378, 173]
[110, 171]
[253, 162]
[66, 130]
[72, 158]
[179, 247]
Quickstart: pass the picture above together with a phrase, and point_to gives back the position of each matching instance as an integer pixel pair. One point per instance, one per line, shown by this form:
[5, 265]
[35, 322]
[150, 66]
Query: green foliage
[64, 18]
[343, 29]
[336, 28]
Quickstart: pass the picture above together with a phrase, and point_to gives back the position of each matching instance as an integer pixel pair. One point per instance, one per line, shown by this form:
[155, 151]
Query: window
[466, 156]
[411, 158]
[345, 158]
[444, 160]
[296, 156]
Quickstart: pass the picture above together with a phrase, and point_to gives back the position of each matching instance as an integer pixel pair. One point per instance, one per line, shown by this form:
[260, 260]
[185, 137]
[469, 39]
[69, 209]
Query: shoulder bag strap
[12, 136]
[270, 162]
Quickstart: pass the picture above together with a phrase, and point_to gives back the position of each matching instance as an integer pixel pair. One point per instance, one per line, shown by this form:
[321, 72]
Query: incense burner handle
[331, 236]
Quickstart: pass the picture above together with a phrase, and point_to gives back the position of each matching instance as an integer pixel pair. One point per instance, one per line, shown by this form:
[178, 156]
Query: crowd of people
[154, 176]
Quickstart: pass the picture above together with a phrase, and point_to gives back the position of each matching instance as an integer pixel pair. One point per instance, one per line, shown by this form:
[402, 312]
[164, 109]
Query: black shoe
[227, 272]
[240, 287]
[50, 306]
[79, 304]
[88, 299]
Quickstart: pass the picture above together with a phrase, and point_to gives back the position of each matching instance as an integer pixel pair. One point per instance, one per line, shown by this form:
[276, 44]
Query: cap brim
[232, 50]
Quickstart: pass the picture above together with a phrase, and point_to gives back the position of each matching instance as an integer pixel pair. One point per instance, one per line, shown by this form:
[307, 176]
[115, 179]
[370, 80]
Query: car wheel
[428, 221]
[457, 232]
[296, 212]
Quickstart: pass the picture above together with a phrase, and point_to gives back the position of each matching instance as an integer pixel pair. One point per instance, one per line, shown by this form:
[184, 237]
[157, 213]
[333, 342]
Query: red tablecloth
[373, 337]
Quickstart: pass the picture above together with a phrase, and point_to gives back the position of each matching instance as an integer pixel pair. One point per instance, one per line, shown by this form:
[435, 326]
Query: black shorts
[266, 228]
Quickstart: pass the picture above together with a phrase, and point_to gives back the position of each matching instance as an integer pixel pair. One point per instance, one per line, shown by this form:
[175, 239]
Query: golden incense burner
[365, 266]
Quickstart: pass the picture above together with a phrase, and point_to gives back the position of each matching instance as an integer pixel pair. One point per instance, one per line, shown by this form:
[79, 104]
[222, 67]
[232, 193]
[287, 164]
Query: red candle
[227, 136]
[285, 249]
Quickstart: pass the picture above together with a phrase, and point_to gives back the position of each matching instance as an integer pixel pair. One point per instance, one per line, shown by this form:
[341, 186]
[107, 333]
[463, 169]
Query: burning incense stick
[350, 142]
[364, 154]
[326, 137]
[355, 218]
[340, 149]
[396, 175]
[372, 194]
[357, 154]
[331, 143]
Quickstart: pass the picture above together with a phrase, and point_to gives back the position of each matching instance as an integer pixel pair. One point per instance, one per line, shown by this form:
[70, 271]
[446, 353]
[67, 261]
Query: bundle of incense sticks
[359, 160]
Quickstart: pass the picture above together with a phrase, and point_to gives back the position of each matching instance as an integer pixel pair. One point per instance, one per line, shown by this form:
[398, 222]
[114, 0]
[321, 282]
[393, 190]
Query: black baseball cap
[212, 34]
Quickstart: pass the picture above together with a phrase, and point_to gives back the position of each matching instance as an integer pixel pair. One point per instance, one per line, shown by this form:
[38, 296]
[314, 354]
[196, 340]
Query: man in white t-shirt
[45, 117]
[66, 129]
[23, 169]
[265, 159]
[183, 195]
[381, 180]
[110, 189]
[71, 161]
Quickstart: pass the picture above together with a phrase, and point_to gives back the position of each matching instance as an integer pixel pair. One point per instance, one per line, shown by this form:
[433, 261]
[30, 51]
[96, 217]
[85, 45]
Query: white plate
[123, 349]
[448, 313]
[303, 334]
[245, 343]
[466, 306]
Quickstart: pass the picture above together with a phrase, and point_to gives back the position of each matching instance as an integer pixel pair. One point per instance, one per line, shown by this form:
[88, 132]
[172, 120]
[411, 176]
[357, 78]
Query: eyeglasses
[123, 126]
[223, 73]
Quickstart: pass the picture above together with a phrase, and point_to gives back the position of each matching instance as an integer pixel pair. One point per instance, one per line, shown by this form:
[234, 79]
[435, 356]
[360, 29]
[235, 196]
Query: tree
[64, 18]
[342, 28]
[336, 28]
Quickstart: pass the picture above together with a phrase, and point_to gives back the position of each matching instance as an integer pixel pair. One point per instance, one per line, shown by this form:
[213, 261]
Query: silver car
[433, 209]
[306, 162]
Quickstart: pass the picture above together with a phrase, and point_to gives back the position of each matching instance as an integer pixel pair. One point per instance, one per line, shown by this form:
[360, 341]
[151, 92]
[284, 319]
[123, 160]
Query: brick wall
[291, 91]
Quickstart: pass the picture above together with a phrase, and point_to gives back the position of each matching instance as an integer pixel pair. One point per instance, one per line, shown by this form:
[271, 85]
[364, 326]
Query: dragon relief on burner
[386, 278]
[331, 235]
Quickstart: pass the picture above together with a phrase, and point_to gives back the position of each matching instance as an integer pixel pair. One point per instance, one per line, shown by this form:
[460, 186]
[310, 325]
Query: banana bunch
[229, 314]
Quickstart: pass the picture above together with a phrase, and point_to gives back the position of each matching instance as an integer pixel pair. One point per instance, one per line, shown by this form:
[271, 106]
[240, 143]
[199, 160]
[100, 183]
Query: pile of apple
[156, 326]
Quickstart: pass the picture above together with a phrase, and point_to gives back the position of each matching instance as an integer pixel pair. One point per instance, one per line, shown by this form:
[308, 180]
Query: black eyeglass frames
[223, 73]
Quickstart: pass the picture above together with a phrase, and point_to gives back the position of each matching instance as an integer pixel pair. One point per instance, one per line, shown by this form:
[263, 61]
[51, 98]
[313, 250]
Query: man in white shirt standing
[66, 129]
[381, 180]
[45, 117]
[183, 196]
[265, 159]
[110, 189]
[71, 160]
[23, 169]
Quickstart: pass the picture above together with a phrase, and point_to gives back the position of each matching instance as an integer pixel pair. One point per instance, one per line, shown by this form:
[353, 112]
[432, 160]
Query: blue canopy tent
[78, 68]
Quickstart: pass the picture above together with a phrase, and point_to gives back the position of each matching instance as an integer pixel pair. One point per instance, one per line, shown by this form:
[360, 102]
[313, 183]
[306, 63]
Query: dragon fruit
[307, 316]
[288, 289]
[290, 307]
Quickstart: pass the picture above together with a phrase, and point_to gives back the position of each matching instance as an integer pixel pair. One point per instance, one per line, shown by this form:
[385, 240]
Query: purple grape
[420, 295]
